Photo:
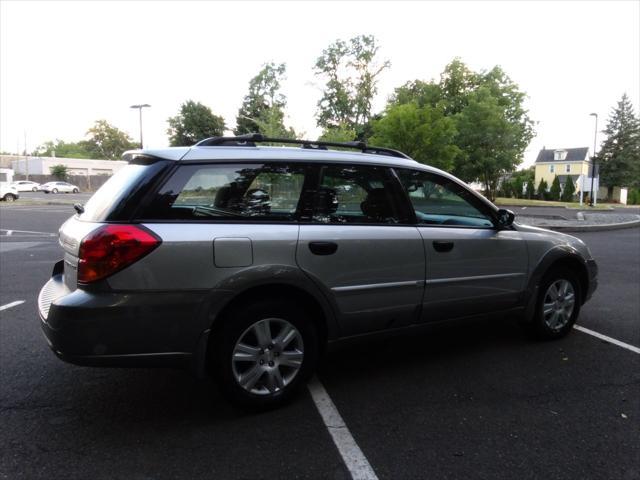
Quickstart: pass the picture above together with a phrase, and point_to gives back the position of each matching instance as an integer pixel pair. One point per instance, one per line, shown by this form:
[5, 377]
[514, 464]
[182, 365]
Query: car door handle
[441, 246]
[323, 248]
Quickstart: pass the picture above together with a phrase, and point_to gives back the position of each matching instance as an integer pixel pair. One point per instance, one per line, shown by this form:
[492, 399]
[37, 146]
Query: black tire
[541, 328]
[235, 324]
[9, 197]
[75, 190]
[55, 190]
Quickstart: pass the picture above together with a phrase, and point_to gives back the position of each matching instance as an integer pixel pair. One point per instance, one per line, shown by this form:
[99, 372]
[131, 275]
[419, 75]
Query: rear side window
[261, 192]
[114, 192]
[357, 194]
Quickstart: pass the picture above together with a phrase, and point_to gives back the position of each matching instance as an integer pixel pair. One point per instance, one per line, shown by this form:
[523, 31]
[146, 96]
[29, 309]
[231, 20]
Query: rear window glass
[269, 192]
[109, 195]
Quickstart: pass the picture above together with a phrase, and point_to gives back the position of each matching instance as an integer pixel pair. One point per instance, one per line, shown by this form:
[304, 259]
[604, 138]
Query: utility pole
[140, 107]
[26, 157]
[593, 196]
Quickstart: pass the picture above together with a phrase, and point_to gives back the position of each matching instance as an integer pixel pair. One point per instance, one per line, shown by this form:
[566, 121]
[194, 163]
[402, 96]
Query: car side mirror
[505, 218]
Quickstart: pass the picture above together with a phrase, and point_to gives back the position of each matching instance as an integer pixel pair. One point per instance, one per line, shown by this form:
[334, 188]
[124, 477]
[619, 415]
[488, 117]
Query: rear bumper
[121, 329]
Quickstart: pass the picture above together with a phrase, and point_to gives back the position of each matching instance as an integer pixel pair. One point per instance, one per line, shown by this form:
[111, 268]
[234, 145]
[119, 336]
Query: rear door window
[260, 192]
[359, 195]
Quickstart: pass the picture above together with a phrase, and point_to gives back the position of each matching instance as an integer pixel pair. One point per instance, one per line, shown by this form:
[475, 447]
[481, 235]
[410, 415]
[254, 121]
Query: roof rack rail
[250, 140]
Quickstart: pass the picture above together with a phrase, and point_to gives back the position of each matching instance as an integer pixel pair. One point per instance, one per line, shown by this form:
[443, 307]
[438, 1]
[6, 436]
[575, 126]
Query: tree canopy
[104, 142]
[477, 123]
[619, 155]
[194, 123]
[350, 70]
[262, 108]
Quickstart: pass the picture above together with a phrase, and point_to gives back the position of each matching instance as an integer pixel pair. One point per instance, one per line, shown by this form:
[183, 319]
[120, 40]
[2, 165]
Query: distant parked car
[26, 186]
[8, 192]
[59, 187]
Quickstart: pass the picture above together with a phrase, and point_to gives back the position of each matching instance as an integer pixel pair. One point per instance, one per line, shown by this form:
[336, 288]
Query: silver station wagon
[244, 261]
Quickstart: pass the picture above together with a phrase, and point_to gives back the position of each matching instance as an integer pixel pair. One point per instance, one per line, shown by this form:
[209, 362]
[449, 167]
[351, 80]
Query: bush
[59, 171]
[569, 190]
[542, 190]
[554, 191]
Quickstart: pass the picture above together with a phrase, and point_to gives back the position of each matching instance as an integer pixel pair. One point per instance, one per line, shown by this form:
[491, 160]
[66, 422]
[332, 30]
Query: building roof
[573, 154]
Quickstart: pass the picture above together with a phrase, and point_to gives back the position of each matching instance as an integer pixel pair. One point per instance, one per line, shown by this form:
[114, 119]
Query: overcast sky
[66, 64]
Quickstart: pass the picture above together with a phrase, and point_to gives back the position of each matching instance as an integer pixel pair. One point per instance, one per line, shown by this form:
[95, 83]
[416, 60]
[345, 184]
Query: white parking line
[12, 304]
[613, 341]
[28, 232]
[350, 452]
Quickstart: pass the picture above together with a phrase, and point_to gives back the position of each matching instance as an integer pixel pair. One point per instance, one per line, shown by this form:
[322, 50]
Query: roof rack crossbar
[250, 140]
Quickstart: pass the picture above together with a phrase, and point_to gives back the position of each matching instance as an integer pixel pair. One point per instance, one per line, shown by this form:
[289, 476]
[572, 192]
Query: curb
[19, 203]
[593, 228]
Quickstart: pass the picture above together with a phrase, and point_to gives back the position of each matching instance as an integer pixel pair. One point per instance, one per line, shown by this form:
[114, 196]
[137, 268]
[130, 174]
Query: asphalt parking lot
[480, 401]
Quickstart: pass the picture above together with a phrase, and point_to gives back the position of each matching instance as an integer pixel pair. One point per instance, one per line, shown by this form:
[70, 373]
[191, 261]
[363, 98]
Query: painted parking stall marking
[354, 459]
[11, 305]
[25, 233]
[608, 339]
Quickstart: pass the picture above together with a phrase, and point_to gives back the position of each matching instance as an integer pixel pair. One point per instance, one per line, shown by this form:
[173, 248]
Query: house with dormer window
[564, 163]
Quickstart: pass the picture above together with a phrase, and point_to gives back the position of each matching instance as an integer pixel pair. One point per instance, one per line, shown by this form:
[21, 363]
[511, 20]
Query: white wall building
[75, 166]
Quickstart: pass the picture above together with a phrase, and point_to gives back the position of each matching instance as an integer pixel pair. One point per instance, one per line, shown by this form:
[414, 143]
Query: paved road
[479, 401]
[81, 197]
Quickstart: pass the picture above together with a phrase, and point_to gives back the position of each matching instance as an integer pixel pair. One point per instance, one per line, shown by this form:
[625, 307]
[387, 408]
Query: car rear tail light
[111, 248]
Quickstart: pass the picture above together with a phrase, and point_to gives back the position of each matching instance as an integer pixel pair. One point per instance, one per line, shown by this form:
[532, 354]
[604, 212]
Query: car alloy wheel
[34, 189]
[267, 356]
[558, 305]
[55, 190]
[9, 198]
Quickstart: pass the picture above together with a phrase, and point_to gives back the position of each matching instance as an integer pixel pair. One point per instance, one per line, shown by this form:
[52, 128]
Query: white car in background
[26, 186]
[59, 187]
[8, 192]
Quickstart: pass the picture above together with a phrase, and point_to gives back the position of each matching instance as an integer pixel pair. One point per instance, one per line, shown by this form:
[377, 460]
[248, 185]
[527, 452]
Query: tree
[270, 125]
[263, 107]
[60, 148]
[107, 142]
[542, 190]
[518, 187]
[350, 71]
[568, 191]
[554, 191]
[59, 171]
[341, 133]
[619, 156]
[531, 189]
[492, 127]
[423, 133]
[194, 123]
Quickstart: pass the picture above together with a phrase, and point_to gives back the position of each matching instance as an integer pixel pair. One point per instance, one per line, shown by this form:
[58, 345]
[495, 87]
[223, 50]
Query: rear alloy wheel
[265, 352]
[9, 197]
[55, 190]
[75, 190]
[34, 189]
[267, 356]
[558, 304]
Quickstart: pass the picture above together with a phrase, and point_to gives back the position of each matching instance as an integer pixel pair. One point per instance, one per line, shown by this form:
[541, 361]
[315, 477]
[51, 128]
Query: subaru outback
[244, 261]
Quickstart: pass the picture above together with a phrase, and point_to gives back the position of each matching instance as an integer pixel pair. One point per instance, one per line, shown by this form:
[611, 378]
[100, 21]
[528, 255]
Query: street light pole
[592, 198]
[140, 107]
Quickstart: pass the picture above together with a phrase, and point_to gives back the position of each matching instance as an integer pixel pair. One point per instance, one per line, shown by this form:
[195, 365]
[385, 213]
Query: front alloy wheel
[267, 356]
[559, 302]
